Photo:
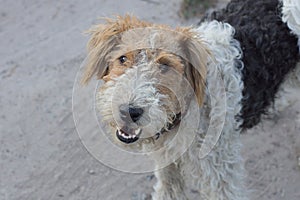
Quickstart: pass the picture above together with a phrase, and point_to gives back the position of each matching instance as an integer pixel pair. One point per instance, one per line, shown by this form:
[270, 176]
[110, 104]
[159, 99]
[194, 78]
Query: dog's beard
[138, 87]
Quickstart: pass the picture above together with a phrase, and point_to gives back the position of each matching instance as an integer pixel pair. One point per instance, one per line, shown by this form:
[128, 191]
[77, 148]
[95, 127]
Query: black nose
[130, 111]
[135, 113]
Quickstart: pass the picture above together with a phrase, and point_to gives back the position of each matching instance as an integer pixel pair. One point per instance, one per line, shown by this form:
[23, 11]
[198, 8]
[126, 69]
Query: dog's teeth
[123, 135]
[126, 136]
[137, 131]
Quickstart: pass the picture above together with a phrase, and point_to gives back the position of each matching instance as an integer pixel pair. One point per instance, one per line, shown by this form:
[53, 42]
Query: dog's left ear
[197, 55]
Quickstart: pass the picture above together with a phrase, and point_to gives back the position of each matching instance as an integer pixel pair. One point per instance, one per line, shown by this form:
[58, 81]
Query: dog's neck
[170, 126]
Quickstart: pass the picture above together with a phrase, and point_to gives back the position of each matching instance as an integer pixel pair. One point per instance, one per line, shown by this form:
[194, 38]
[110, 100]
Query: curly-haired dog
[147, 70]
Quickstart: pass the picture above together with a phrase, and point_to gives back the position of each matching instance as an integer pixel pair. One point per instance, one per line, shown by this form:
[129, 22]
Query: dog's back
[267, 31]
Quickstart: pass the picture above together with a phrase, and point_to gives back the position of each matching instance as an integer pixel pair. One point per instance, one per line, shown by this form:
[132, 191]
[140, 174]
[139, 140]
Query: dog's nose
[131, 111]
[135, 113]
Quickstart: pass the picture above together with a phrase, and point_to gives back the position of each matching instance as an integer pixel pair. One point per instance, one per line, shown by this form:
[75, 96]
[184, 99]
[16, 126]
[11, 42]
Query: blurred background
[41, 157]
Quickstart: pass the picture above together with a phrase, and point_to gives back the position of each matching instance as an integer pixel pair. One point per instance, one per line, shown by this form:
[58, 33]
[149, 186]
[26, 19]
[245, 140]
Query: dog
[161, 85]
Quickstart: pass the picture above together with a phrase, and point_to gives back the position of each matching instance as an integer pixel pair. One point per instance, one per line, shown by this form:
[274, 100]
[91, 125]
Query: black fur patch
[269, 52]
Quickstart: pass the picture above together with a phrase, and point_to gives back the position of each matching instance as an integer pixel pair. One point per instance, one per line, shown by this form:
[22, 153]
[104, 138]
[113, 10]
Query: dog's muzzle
[130, 115]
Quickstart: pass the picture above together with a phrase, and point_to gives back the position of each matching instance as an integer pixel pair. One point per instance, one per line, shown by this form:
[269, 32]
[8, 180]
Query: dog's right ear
[104, 38]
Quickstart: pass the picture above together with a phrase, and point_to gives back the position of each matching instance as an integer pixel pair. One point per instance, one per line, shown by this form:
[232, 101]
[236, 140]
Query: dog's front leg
[170, 184]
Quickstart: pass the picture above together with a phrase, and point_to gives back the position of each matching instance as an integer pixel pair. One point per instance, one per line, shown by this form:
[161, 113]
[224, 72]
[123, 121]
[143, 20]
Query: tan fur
[197, 54]
[115, 68]
[171, 60]
[104, 38]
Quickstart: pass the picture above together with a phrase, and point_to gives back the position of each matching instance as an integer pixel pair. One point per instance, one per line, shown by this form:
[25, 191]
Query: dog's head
[147, 71]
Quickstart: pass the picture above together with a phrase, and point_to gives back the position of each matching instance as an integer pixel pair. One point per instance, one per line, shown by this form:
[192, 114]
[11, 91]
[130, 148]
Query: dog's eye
[163, 68]
[122, 59]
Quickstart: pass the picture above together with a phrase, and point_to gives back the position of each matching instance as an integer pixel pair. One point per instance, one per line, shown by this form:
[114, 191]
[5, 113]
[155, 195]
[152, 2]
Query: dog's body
[234, 66]
[269, 51]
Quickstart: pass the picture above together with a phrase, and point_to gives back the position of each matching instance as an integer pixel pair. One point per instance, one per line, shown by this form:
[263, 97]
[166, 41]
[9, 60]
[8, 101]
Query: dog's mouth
[128, 135]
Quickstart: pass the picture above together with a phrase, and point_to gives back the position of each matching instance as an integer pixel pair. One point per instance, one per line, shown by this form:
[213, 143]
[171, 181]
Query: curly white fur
[291, 16]
[220, 174]
[223, 164]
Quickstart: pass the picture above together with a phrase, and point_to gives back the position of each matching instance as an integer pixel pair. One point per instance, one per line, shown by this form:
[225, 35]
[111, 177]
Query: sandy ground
[41, 156]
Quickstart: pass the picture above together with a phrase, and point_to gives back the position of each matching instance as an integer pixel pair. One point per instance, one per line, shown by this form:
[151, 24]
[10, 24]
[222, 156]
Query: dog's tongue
[128, 136]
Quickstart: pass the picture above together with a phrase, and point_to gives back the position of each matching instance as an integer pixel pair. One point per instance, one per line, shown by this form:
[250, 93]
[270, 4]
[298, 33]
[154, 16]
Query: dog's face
[148, 71]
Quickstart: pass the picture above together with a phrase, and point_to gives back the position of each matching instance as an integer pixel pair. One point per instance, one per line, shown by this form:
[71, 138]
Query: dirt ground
[41, 155]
